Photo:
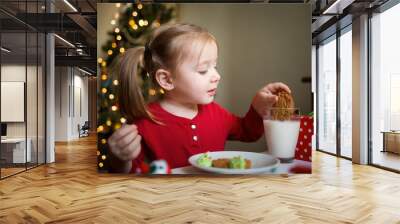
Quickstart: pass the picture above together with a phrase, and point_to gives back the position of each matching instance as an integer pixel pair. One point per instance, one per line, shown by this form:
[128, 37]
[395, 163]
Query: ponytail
[131, 99]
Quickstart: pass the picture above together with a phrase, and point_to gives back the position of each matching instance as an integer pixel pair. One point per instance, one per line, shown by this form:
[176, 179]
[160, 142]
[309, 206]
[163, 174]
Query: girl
[181, 59]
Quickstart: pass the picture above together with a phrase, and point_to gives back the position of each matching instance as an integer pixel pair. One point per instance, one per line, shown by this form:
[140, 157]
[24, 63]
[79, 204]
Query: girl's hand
[266, 97]
[125, 143]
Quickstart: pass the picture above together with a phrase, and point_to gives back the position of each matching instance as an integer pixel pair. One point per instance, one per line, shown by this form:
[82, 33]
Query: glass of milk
[282, 126]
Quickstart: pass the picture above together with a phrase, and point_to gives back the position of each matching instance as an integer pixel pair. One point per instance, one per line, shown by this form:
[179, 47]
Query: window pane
[346, 94]
[327, 96]
[31, 99]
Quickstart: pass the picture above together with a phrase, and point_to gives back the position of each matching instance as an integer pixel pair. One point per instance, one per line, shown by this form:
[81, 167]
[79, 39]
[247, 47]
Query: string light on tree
[100, 128]
[156, 24]
[117, 126]
[108, 123]
[141, 22]
[152, 92]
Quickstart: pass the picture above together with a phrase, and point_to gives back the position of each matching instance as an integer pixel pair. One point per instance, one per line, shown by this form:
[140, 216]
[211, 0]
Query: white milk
[281, 137]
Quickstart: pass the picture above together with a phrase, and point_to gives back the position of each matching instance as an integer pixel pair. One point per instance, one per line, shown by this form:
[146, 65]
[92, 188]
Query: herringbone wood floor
[71, 191]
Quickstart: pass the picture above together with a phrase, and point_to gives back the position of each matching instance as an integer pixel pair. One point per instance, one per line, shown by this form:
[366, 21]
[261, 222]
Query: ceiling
[23, 23]
[332, 15]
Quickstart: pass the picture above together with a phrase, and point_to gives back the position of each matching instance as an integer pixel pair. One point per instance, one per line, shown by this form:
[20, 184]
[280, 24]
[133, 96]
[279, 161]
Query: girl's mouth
[212, 92]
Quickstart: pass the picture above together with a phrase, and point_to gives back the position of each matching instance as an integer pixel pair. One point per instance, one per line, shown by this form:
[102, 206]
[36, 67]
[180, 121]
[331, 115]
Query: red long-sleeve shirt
[179, 138]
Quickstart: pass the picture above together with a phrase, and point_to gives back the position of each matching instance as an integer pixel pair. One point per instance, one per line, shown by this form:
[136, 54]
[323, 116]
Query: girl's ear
[164, 79]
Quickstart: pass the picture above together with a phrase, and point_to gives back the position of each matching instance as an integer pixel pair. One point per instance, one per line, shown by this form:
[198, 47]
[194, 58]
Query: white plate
[260, 163]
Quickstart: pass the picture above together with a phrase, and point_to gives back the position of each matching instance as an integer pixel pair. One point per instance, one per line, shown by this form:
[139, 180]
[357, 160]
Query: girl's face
[196, 79]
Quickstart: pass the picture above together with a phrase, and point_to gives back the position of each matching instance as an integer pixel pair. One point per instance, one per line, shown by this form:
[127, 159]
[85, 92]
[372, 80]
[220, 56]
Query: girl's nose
[216, 77]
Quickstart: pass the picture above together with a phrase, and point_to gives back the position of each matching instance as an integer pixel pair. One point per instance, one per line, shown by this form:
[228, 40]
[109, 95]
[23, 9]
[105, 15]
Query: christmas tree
[132, 28]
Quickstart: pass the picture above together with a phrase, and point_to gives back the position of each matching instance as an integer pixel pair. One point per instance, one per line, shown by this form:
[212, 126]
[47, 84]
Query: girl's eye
[203, 72]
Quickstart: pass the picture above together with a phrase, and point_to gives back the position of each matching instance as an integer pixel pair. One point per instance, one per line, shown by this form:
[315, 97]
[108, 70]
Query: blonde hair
[167, 48]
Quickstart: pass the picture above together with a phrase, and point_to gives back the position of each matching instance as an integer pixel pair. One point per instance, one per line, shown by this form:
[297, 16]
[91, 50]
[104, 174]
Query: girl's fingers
[122, 132]
[275, 87]
[264, 93]
[269, 97]
[127, 139]
[121, 139]
[137, 148]
[116, 137]
[132, 148]
[266, 89]
[269, 101]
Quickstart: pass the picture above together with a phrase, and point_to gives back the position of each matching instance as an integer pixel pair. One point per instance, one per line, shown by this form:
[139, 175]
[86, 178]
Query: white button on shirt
[193, 126]
[195, 138]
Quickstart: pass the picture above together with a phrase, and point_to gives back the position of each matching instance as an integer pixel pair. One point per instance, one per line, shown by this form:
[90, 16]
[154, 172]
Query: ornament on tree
[159, 167]
[143, 168]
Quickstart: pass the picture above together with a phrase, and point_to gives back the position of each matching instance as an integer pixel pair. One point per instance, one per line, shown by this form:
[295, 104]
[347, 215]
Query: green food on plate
[237, 162]
[204, 160]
